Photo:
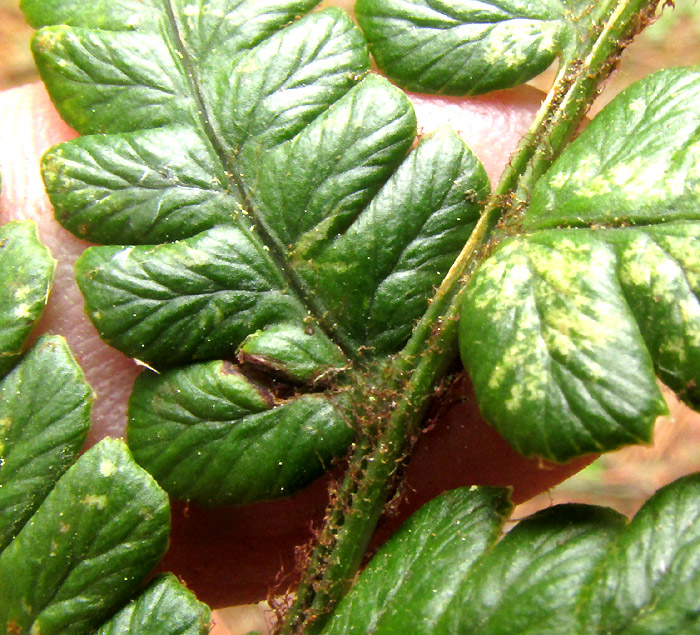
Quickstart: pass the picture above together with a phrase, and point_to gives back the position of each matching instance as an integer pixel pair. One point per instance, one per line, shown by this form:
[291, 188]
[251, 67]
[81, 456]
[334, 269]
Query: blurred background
[623, 479]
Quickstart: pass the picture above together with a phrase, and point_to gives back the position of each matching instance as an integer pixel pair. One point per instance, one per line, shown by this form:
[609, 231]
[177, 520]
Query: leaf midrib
[297, 285]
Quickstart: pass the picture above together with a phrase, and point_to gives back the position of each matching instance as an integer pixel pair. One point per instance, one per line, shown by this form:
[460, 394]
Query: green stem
[412, 377]
[576, 87]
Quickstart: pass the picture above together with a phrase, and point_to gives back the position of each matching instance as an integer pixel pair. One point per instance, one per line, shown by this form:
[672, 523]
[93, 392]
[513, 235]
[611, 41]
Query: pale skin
[234, 555]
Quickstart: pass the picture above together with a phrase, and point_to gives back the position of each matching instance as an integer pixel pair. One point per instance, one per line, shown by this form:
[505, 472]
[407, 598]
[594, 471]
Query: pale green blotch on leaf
[26, 274]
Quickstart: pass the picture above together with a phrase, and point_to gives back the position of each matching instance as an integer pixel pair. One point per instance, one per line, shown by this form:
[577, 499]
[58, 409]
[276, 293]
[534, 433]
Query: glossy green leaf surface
[303, 236]
[564, 331]
[193, 299]
[127, 186]
[464, 47]
[241, 441]
[166, 607]
[394, 593]
[649, 582]
[168, 176]
[148, 187]
[97, 534]
[567, 569]
[26, 274]
[637, 163]
[531, 580]
[555, 351]
[377, 274]
[293, 353]
[44, 419]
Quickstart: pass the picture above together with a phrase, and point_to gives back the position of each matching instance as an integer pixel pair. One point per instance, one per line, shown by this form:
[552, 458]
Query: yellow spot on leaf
[22, 310]
[107, 468]
[22, 292]
[637, 105]
[95, 500]
[559, 180]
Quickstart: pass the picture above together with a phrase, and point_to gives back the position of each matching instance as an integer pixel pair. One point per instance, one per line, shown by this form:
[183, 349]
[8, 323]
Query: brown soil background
[623, 479]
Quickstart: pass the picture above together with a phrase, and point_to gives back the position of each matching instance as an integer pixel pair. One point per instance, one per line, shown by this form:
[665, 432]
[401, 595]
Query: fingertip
[463, 449]
[491, 125]
[29, 125]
